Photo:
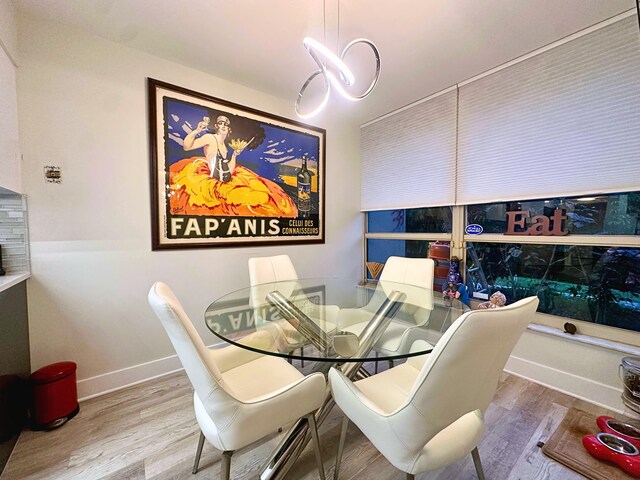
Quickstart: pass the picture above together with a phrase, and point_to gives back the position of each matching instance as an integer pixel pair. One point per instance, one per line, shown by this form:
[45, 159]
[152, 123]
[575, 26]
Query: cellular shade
[408, 157]
[562, 122]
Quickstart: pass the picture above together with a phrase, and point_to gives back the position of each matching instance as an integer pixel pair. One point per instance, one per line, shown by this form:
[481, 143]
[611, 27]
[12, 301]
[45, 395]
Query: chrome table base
[291, 447]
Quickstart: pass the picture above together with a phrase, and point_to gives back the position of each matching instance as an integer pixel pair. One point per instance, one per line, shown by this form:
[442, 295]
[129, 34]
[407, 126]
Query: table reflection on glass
[333, 322]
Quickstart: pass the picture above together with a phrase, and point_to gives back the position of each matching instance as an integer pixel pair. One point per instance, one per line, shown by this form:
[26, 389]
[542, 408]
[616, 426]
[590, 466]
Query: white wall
[566, 363]
[10, 175]
[83, 106]
[584, 371]
[9, 27]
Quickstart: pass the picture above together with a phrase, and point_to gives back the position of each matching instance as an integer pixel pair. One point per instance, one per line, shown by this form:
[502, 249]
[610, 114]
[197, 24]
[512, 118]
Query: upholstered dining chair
[276, 268]
[428, 412]
[399, 335]
[279, 268]
[240, 396]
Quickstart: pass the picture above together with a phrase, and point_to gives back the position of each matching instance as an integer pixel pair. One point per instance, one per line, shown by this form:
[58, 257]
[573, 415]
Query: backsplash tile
[14, 233]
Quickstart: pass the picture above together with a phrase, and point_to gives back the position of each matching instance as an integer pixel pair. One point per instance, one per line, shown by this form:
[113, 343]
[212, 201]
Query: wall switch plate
[52, 174]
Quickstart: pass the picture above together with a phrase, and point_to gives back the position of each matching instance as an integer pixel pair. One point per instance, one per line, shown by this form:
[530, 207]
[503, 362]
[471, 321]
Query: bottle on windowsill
[304, 189]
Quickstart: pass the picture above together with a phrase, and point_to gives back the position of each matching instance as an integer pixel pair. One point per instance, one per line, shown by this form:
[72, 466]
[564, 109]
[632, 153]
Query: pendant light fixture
[334, 72]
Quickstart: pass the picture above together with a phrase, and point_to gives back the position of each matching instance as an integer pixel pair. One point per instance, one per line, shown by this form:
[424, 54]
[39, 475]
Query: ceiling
[425, 45]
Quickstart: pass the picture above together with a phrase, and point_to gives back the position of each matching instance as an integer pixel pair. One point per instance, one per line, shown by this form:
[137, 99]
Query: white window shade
[562, 122]
[408, 157]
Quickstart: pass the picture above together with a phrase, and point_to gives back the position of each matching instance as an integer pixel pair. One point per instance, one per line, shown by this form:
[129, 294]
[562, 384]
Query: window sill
[586, 339]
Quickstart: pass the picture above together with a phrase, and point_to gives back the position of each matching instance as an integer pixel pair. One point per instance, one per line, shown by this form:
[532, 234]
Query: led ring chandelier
[345, 75]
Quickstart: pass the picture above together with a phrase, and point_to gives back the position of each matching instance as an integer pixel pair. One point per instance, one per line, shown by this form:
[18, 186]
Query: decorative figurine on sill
[497, 300]
[453, 287]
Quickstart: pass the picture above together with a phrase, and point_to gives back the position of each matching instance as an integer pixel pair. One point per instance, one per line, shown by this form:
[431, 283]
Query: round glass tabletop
[333, 320]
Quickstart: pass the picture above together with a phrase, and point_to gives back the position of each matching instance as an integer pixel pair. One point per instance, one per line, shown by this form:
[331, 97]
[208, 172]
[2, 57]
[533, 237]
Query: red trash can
[55, 395]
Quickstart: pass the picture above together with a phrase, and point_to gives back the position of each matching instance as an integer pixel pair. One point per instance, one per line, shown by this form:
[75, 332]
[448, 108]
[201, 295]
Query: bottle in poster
[304, 189]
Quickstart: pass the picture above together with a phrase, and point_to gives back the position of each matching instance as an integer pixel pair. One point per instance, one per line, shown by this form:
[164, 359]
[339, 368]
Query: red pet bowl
[614, 449]
[627, 431]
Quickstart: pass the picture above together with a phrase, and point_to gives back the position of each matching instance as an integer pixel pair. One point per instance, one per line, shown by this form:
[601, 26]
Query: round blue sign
[474, 229]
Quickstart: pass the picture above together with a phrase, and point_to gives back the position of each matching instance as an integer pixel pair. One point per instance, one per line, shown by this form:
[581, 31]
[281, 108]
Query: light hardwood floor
[149, 432]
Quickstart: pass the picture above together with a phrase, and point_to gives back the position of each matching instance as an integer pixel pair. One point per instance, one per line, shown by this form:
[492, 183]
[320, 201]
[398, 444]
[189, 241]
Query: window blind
[408, 157]
[562, 122]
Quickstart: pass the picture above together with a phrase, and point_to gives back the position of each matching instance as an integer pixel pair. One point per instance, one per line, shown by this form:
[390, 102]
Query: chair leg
[343, 436]
[476, 461]
[198, 452]
[316, 443]
[410, 476]
[390, 363]
[225, 467]
[302, 355]
[375, 370]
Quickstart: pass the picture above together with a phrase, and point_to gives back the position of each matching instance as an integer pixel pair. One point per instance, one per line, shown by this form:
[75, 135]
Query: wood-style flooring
[149, 431]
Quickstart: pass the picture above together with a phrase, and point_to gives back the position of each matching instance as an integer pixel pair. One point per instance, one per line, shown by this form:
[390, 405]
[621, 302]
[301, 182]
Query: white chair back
[412, 271]
[271, 269]
[460, 376]
[417, 272]
[264, 275]
[267, 274]
[196, 359]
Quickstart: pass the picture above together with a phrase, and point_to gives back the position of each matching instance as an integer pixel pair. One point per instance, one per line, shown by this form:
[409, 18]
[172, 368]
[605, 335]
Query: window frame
[434, 237]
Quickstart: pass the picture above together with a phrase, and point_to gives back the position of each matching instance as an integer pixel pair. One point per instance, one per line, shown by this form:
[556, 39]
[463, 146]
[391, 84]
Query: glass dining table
[332, 322]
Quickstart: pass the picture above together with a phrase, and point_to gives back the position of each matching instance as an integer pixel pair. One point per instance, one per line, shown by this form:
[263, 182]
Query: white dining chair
[408, 325]
[240, 396]
[429, 411]
[279, 269]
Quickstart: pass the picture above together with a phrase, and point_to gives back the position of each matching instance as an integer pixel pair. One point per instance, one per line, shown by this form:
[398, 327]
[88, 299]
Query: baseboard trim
[117, 380]
[127, 377]
[585, 389]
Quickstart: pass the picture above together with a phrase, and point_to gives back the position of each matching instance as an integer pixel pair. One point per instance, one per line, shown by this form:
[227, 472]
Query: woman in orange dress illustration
[216, 185]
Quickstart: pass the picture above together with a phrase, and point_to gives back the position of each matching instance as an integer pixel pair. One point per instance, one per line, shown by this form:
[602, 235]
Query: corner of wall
[9, 29]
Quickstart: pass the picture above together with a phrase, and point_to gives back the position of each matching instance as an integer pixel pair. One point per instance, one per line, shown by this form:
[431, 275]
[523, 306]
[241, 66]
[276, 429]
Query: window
[414, 220]
[592, 274]
[414, 233]
[596, 284]
[617, 214]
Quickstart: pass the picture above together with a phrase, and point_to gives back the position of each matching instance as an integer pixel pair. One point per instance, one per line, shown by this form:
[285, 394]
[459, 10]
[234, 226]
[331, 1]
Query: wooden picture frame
[226, 175]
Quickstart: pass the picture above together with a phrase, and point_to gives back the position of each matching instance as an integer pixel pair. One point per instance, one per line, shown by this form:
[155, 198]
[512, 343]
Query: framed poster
[225, 175]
